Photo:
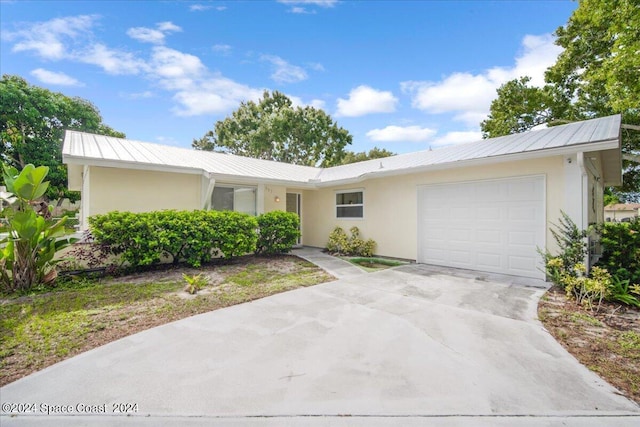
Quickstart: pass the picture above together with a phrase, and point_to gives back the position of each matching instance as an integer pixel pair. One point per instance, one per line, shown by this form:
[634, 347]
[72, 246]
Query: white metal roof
[86, 148]
[590, 135]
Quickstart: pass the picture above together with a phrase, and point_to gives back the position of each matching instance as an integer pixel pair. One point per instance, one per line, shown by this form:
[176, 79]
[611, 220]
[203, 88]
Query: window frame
[337, 206]
[235, 187]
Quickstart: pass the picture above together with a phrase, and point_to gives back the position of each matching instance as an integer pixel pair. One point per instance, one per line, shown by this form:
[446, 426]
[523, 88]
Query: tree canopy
[273, 129]
[596, 75]
[32, 125]
[374, 153]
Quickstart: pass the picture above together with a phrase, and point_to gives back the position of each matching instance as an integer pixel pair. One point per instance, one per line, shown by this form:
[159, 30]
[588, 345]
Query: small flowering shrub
[342, 244]
[567, 269]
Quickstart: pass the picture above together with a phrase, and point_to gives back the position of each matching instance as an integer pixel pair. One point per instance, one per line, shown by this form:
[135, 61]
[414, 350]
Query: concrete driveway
[410, 346]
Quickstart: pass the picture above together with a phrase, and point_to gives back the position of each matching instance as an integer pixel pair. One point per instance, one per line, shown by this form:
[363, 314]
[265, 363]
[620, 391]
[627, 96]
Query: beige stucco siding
[390, 204]
[271, 192]
[140, 191]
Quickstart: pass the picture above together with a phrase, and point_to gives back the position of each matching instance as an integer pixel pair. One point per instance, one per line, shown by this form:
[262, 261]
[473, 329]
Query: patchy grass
[374, 264]
[44, 328]
[607, 342]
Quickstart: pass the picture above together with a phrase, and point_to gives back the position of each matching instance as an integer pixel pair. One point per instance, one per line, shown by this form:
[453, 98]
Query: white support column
[85, 198]
[208, 184]
[260, 199]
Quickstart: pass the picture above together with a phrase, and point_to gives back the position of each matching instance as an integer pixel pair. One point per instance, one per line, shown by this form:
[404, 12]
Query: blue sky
[403, 75]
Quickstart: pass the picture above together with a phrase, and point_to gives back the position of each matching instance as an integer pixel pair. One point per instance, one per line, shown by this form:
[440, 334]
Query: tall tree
[32, 125]
[273, 129]
[596, 75]
[374, 153]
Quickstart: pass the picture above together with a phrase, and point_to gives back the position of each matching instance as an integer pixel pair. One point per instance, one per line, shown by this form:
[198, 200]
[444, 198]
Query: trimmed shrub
[195, 237]
[278, 232]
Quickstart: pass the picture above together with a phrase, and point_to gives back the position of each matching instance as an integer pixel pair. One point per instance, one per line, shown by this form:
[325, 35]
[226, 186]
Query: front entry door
[294, 205]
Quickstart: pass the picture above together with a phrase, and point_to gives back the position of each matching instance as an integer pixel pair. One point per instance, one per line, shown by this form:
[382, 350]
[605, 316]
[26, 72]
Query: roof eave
[549, 152]
[229, 178]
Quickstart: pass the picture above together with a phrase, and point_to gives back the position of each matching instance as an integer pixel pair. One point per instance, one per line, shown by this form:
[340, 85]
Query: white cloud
[150, 35]
[112, 61]
[195, 89]
[168, 27]
[453, 138]
[199, 7]
[366, 100]
[284, 72]
[213, 95]
[146, 35]
[401, 134]
[49, 39]
[469, 95]
[138, 95]
[321, 3]
[298, 102]
[301, 11]
[171, 64]
[222, 48]
[316, 66]
[54, 78]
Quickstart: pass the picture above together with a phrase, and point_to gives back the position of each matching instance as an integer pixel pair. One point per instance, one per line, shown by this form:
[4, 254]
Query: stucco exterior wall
[141, 191]
[390, 204]
[270, 194]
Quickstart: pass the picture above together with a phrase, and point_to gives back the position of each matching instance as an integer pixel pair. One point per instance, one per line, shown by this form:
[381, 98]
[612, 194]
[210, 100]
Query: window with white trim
[350, 204]
[231, 198]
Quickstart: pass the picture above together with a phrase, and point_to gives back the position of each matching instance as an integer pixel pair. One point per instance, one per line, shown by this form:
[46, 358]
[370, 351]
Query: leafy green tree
[374, 153]
[520, 107]
[596, 75]
[32, 125]
[273, 129]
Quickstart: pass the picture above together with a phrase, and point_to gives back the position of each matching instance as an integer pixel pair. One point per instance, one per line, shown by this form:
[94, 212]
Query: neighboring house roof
[590, 135]
[623, 207]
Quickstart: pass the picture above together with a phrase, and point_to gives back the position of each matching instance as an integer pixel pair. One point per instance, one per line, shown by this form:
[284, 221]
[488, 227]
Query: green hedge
[194, 237]
[278, 232]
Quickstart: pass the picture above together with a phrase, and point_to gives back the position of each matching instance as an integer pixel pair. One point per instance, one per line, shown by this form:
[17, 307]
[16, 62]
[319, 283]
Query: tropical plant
[27, 252]
[194, 283]
[621, 249]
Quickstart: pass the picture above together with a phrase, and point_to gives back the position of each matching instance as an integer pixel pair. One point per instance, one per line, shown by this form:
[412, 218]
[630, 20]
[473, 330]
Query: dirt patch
[607, 342]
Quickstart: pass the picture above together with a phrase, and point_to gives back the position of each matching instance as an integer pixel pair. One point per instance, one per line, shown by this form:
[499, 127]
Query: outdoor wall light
[277, 199]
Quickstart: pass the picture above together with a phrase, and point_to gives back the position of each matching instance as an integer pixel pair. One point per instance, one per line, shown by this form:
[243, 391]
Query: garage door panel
[524, 238]
[487, 225]
[489, 260]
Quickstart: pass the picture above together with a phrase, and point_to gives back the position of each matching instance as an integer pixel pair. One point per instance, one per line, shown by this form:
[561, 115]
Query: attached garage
[494, 225]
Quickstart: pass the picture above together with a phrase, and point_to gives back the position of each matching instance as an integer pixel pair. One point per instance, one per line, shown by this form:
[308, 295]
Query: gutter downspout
[206, 197]
[584, 206]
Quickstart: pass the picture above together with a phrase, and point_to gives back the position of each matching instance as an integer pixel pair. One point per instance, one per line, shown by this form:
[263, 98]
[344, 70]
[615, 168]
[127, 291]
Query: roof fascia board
[240, 179]
[122, 164]
[552, 152]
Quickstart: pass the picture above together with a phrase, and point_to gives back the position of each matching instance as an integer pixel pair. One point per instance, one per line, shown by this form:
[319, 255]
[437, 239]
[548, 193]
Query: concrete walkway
[407, 346]
[338, 268]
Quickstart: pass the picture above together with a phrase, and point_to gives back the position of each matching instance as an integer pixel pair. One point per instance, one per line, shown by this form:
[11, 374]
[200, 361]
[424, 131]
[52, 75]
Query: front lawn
[42, 329]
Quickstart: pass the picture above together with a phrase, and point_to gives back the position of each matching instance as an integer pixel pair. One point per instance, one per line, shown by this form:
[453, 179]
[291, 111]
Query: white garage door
[493, 226]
